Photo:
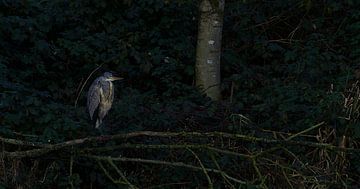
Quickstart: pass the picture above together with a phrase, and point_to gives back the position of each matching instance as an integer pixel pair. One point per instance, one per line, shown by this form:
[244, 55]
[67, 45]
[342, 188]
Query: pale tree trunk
[208, 49]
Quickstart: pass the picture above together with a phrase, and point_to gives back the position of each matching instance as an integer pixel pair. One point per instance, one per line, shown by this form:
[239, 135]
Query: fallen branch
[165, 146]
[46, 148]
[22, 142]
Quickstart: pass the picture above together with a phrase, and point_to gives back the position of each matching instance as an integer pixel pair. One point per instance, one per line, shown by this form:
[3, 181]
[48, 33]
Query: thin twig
[286, 178]
[108, 174]
[297, 159]
[257, 170]
[168, 184]
[26, 135]
[145, 146]
[232, 91]
[82, 87]
[284, 133]
[121, 174]
[305, 131]
[71, 171]
[266, 151]
[166, 146]
[158, 162]
[281, 166]
[218, 167]
[3, 162]
[229, 152]
[203, 168]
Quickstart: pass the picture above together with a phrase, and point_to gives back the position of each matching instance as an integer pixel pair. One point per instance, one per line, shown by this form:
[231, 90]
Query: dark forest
[279, 106]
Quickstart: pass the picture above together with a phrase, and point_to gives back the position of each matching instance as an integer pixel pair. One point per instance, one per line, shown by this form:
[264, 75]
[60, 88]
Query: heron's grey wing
[93, 98]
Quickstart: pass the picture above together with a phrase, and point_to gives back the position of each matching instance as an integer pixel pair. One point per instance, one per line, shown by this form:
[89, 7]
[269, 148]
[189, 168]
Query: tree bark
[208, 49]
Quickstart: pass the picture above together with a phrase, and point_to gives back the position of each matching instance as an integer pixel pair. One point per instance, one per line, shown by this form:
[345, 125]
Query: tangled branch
[47, 148]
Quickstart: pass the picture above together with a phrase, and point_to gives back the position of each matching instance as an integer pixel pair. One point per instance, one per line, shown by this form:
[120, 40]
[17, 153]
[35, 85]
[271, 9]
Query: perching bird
[101, 96]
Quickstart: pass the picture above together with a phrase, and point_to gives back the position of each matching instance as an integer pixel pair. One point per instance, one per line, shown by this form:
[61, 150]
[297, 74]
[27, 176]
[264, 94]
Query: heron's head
[110, 77]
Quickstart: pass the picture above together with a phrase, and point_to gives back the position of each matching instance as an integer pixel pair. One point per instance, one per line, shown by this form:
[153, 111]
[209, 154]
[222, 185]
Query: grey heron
[101, 96]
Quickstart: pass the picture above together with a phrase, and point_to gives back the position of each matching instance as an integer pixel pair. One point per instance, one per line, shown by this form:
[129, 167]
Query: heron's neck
[111, 86]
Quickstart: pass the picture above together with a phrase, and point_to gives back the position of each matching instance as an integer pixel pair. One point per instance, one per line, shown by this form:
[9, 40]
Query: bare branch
[46, 148]
[158, 162]
[203, 168]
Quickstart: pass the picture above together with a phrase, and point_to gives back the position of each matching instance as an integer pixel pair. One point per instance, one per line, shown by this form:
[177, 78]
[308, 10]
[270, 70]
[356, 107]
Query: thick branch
[49, 148]
[22, 142]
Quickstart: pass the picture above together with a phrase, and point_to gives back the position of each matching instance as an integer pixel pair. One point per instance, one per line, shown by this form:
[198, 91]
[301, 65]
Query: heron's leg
[103, 109]
[98, 123]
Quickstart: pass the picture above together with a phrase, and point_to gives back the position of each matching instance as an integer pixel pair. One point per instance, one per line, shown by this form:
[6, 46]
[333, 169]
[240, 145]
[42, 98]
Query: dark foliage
[286, 66]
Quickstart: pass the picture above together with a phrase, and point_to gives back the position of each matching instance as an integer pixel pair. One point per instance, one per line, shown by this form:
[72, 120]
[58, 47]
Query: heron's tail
[98, 123]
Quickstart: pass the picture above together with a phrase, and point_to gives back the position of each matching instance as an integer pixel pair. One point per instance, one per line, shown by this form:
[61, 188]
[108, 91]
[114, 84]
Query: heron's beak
[113, 78]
